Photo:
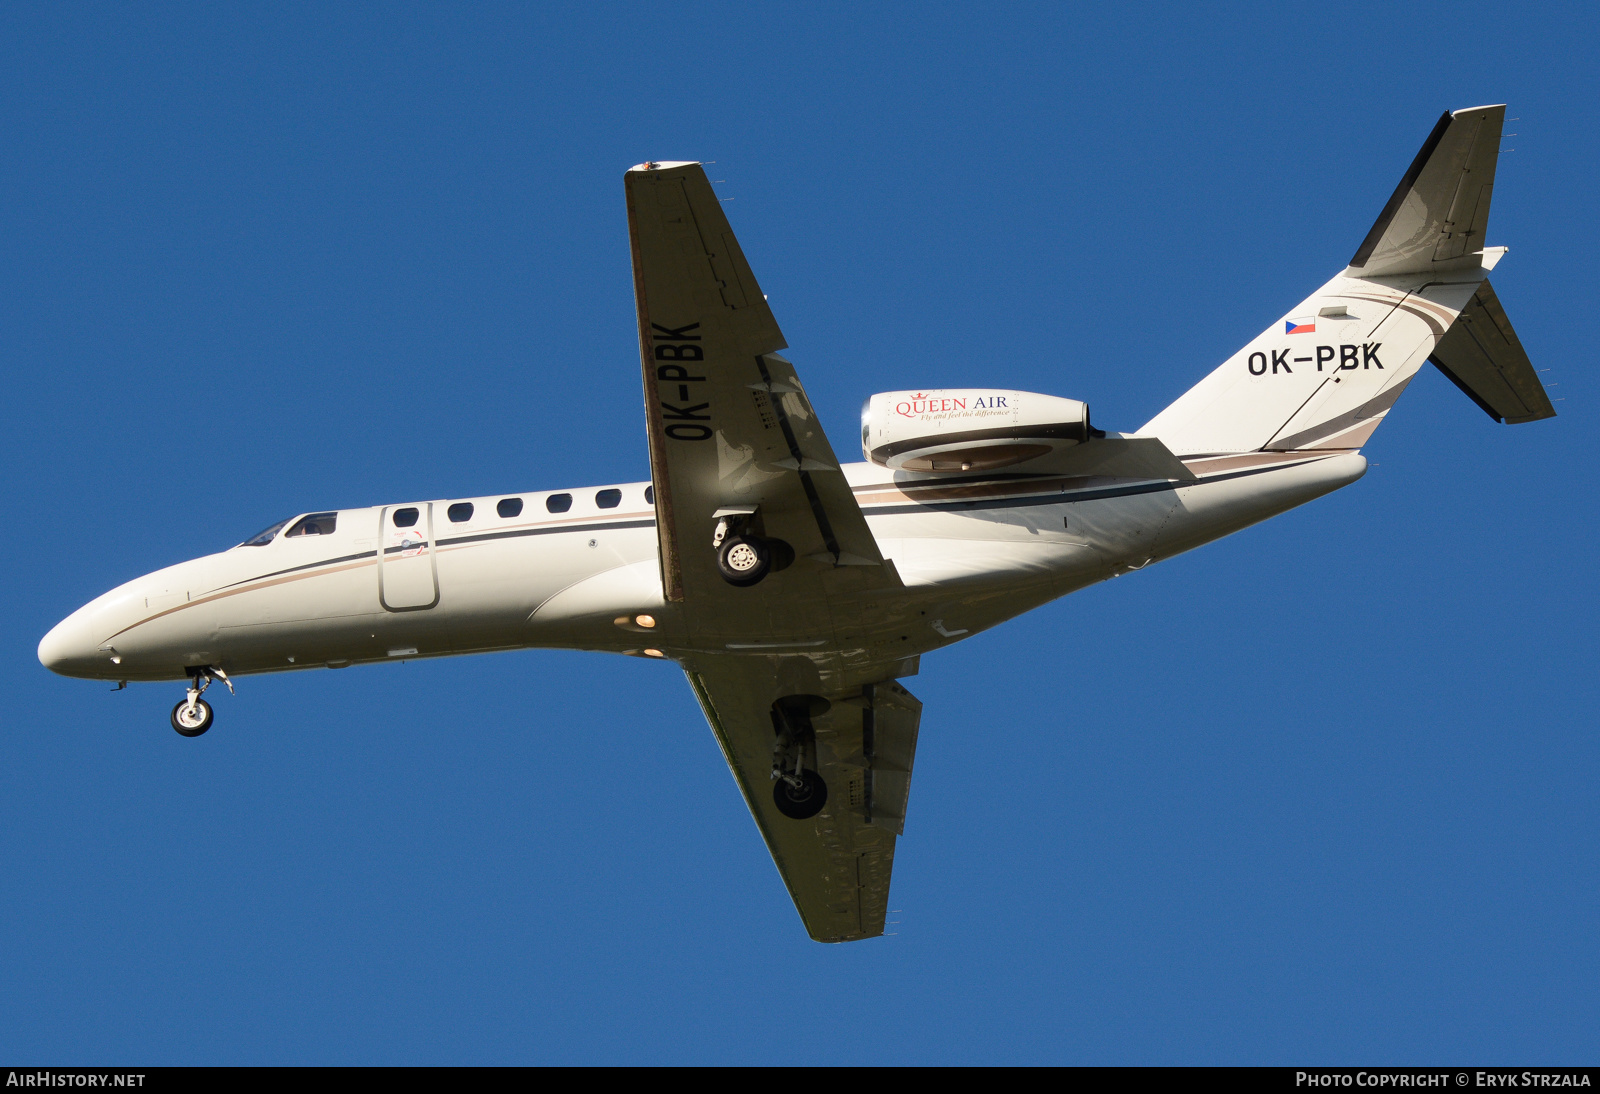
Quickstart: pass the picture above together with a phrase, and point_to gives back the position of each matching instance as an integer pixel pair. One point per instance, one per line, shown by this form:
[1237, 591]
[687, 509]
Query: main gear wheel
[744, 560]
[800, 802]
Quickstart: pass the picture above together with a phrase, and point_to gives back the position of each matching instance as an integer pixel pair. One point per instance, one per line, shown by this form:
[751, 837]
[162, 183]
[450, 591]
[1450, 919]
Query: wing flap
[840, 524]
[1483, 356]
[889, 741]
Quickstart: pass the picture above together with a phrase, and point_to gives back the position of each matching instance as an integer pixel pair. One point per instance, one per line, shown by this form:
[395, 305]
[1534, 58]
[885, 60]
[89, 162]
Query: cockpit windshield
[264, 537]
[315, 524]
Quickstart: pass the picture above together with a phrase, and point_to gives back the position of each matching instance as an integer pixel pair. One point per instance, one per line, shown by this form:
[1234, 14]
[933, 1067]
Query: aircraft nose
[68, 648]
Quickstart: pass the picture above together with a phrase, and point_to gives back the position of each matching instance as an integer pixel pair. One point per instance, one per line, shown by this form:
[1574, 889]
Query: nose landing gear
[193, 716]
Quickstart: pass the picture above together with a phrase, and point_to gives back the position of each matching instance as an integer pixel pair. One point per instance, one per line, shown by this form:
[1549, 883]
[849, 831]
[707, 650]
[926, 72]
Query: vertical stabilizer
[1437, 216]
[1324, 375]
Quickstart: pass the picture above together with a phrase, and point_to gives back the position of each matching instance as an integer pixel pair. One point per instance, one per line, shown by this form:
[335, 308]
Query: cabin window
[608, 499]
[264, 537]
[317, 524]
[460, 511]
[650, 495]
[558, 503]
[405, 518]
[509, 507]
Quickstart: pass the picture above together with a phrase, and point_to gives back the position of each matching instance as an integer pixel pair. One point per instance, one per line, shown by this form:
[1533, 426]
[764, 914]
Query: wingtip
[662, 165]
[1475, 109]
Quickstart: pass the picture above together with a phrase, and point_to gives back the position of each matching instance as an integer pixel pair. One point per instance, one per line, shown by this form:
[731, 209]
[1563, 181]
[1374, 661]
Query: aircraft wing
[730, 427]
[733, 437]
[837, 863]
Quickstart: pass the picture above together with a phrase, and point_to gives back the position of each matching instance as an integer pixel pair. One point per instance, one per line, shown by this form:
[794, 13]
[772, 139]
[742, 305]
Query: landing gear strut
[193, 715]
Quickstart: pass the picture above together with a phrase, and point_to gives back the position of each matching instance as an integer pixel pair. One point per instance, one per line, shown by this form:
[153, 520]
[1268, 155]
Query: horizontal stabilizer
[1482, 355]
[1436, 219]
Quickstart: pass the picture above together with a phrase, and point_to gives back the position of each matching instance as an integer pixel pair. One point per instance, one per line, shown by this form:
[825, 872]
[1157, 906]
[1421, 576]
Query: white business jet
[797, 592]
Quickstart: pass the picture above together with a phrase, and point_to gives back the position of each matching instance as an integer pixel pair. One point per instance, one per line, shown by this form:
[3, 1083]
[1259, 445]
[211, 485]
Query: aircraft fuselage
[972, 551]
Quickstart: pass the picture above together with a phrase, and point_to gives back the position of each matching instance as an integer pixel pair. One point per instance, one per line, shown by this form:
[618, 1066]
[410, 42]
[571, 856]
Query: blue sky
[1323, 792]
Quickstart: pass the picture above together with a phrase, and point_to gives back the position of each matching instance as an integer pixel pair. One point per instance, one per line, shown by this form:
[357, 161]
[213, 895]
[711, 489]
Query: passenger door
[408, 577]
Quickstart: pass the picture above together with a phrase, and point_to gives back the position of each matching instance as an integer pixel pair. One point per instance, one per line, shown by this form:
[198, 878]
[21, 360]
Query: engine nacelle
[968, 429]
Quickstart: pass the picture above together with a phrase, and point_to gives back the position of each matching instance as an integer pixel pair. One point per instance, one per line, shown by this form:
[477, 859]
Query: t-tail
[1322, 378]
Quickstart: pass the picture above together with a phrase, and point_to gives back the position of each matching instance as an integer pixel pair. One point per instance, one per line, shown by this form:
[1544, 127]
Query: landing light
[645, 620]
[652, 653]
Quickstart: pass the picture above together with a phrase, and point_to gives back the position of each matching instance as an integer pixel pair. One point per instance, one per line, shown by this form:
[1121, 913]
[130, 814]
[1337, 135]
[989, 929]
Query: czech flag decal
[1300, 326]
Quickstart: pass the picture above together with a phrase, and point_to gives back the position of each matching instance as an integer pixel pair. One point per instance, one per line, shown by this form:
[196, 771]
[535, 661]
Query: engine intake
[968, 429]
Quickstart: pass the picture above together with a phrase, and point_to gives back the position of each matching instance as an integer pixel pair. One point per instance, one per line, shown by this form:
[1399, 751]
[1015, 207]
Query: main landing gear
[800, 796]
[744, 560]
[797, 790]
[193, 715]
[743, 557]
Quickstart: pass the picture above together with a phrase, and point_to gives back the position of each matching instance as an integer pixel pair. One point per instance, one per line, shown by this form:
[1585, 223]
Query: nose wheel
[193, 716]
